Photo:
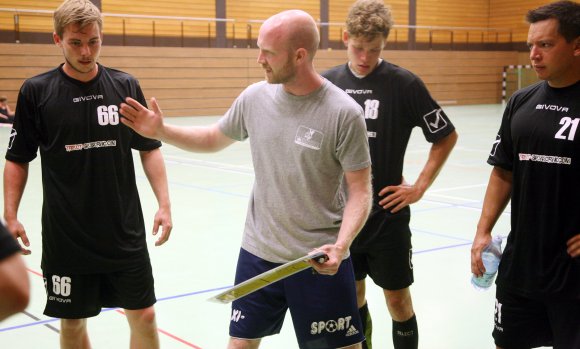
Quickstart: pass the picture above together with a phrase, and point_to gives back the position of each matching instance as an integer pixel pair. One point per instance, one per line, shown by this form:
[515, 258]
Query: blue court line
[198, 187]
[440, 235]
[442, 248]
[51, 320]
[192, 293]
[208, 189]
[467, 243]
[445, 205]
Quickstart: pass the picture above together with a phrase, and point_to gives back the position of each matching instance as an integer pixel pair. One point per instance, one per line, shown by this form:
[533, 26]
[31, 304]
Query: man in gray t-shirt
[309, 144]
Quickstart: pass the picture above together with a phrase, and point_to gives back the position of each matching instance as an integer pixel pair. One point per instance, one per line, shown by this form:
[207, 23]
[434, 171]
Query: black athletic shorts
[386, 255]
[520, 322]
[77, 296]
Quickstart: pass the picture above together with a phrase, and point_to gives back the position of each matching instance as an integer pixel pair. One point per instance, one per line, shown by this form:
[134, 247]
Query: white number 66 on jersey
[108, 115]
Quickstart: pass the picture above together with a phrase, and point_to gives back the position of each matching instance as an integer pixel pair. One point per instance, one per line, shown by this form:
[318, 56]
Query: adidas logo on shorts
[351, 331]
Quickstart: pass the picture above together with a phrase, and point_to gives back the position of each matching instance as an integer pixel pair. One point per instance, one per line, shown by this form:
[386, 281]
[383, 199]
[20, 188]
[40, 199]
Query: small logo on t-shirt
[434, 121]
[13, 134]
[495, 145]
[309, 137]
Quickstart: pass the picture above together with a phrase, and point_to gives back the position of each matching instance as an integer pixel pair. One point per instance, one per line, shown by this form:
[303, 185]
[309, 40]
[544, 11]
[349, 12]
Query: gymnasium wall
[482, 14]
[512, 14]
[205, 81]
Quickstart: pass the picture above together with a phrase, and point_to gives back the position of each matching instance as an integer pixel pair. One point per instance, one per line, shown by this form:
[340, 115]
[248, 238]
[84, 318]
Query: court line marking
[118, 310]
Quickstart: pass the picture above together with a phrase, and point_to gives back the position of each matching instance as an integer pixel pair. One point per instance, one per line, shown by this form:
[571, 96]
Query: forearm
[154, 168]
[356, 210]
[204, 139]
[15, 178]
[437, 156]
[497, 196]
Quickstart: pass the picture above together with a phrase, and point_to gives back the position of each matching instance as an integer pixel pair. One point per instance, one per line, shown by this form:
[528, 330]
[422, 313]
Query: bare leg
[143, 328]
[400, 304]
[360, 293]
[405, 331]
[74, 334]
[238, 343]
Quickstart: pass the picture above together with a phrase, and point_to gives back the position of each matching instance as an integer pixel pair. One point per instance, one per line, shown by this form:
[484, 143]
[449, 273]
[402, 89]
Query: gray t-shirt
[301, 146]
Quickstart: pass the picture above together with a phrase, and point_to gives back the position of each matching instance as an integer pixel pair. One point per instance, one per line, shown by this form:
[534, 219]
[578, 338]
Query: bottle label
[484, 281]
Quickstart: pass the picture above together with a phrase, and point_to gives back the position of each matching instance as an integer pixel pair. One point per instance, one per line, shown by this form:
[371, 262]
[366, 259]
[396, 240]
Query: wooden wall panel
[249, 13]
[31, 4]
[28, 21]
[160, 27]
[452, 13]
[205, 81]
[502, 14]
[512, 14]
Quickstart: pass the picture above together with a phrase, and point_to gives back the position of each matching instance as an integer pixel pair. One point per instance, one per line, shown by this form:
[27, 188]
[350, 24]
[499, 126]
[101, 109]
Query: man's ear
[345, 38]
[577, 47]
[57, 39]
[301, 54]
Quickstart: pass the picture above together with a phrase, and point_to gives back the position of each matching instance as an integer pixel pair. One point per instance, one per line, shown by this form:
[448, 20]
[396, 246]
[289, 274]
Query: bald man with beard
[311, 192]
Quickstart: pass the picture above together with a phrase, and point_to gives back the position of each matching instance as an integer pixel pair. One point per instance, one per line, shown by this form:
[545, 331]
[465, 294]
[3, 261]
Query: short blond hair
[81, 12]
[368, 19]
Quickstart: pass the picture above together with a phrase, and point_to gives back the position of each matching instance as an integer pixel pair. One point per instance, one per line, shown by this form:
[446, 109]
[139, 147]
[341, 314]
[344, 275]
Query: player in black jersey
[536, 164]
[14, 284]
[94, 251]
[395, 101]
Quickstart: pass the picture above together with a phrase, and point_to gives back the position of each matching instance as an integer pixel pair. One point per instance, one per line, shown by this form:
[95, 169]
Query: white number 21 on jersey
[568, 123]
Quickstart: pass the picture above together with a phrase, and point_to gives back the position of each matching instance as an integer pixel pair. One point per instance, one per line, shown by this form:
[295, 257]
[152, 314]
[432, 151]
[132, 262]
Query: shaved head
[296, 28]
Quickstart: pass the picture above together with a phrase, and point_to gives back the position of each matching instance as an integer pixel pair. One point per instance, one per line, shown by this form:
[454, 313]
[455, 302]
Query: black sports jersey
[395, 101]
[8, 245]
[91, 215]
[539, 142]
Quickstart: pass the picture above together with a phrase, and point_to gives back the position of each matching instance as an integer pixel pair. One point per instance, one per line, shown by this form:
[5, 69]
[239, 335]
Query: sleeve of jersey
[139, 142]
[24, 138]
[501, 150]
[426, 112]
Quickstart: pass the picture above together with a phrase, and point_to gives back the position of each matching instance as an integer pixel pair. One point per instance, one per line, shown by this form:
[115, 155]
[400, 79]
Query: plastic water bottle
[490, 256]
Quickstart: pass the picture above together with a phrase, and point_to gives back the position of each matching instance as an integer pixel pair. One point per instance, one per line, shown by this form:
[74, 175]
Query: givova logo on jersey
[435, 121]
[332, 326]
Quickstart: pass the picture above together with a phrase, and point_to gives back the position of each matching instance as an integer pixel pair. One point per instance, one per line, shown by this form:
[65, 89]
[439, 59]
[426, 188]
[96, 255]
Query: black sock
[367, 325]
[406, 334]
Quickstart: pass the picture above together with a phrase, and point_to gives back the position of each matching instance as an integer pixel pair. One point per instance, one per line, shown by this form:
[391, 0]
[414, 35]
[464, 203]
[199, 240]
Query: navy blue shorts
[520, 322]
[323, 308]
[74, 296]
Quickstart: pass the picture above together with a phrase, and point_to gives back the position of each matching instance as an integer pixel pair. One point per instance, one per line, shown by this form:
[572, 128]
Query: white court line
[475, 150]
[457, 188]
[245, 170]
